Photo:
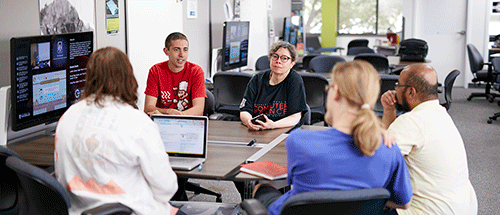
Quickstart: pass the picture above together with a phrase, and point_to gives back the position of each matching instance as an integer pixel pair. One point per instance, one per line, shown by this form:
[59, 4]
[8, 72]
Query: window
[370, 16]
[312, 16]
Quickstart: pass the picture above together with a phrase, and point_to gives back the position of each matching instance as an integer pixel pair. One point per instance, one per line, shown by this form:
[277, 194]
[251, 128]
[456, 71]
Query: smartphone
[258, 117]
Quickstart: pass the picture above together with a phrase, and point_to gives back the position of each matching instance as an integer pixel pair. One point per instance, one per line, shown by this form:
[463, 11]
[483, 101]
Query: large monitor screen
[47, 76]
[235, 45]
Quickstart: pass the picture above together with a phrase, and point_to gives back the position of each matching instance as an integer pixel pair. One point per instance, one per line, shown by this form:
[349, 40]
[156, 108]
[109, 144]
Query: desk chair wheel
[490, 121]
[491, 99]
[498, 103]
[469, 98]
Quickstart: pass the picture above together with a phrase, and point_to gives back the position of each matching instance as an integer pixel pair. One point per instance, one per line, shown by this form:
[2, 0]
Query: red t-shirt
[175, 90]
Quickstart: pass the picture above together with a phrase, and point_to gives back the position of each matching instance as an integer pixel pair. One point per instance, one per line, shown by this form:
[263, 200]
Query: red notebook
[265, 169]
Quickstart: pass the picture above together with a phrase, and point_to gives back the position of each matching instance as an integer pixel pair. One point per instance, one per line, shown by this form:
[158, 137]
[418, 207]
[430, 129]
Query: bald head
[423, 78]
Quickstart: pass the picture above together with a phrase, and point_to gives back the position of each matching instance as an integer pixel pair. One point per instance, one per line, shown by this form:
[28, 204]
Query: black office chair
[315, 86]
[307, 59]
[262, 63]
[349, 202]
[209, 108]
[488, 76]
[324, 63]
[8, 188]
[229, 88]
[313, 45]
[387, 82]
[359, 50]
[448, 86]
[357, 43]
[380, 62]
[38, 192]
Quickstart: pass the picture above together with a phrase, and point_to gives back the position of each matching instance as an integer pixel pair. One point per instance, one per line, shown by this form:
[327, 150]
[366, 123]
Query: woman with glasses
[277, 93]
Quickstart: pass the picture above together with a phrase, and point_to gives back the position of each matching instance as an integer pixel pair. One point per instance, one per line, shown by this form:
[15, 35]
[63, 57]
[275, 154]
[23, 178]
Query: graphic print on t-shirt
[276, 110]
[181, 97]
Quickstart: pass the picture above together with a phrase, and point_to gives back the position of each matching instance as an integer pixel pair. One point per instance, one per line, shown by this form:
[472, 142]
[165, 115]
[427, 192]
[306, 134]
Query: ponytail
[367, 131]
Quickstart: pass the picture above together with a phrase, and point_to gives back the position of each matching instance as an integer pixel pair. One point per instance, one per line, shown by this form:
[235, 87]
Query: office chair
[37, 192]
[324, 63]
[313, 45]
[359, 50]
[8, 194]
[387, 82]
[476, 66]
[448, 86]
[262, 63]
[315, 87]
[307, 59]
[357, 43]
[209, 108]
[380, 62]
[229, 88]
[351, 202]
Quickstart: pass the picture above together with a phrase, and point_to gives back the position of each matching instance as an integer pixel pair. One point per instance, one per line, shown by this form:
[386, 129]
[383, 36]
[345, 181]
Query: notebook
[184, 138]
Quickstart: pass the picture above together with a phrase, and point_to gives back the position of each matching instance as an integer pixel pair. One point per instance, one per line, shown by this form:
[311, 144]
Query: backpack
[413, 50]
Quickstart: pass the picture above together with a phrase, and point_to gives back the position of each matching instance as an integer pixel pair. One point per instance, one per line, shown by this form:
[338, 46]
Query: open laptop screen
[183, 136]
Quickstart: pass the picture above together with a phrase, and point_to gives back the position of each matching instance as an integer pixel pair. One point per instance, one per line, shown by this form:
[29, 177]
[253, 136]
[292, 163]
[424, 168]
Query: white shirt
[113, 154]
[435, 154]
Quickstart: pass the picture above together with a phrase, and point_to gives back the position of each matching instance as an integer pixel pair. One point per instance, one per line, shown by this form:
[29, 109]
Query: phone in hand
[258, 117]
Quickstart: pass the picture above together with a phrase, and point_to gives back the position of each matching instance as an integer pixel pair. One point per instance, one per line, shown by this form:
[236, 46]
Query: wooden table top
[235, 131]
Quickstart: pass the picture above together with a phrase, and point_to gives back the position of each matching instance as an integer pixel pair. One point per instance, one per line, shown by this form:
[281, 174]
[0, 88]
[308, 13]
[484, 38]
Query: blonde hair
[359, 83]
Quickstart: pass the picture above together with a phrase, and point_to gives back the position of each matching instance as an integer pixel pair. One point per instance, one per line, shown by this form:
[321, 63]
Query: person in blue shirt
[351, 154]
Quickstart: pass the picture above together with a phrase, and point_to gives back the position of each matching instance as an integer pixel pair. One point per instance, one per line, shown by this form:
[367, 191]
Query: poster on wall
[192, 9]
[496, 7]
[112, 17]
[66, 16]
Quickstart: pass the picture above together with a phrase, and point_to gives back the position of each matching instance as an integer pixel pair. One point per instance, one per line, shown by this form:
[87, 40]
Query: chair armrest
[253, 207]
[108, 209]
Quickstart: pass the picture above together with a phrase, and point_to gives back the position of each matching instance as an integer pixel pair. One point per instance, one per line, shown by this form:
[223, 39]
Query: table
[235, 132]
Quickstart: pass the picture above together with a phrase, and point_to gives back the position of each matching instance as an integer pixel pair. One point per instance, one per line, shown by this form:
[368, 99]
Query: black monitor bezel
[225, 67]
[49, 117]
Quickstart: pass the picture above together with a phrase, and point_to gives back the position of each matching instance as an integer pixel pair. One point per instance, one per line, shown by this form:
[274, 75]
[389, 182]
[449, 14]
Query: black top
[278, 101]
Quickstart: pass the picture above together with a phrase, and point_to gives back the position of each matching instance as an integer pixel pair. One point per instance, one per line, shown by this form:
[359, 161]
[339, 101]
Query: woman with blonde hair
[350, 155]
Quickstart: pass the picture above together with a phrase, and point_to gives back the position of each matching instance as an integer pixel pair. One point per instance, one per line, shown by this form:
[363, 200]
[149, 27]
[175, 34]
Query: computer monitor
[293, 32]
[47, 76]
[235, 44]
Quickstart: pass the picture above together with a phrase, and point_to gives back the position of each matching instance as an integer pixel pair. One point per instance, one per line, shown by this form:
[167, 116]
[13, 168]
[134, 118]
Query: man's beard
[404, 106]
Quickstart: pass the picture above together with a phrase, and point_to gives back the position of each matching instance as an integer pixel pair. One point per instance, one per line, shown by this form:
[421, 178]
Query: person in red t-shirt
[175, 86]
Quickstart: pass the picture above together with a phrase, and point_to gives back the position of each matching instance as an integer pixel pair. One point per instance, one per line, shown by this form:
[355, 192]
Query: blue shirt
[329, 160]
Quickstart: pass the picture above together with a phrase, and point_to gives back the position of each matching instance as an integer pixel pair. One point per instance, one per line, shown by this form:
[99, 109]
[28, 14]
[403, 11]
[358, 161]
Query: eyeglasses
[282, 58]
[400, 85]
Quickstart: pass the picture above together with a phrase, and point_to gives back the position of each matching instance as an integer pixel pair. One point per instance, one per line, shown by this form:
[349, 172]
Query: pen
[251, 142]
[200, 167]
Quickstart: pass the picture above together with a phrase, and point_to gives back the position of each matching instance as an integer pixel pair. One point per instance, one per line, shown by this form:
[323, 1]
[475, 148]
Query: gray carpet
[481, 142]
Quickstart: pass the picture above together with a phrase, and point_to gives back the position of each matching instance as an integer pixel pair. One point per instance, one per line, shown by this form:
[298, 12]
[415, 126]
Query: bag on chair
[413, 50]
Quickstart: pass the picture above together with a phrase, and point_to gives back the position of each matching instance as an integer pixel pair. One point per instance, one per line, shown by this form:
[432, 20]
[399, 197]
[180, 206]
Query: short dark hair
[174, 36]
[425, 89]
[282, 44]
[109, 73]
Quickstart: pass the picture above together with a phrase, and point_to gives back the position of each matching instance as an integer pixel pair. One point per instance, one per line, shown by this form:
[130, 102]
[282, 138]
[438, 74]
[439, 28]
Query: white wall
[149, 22]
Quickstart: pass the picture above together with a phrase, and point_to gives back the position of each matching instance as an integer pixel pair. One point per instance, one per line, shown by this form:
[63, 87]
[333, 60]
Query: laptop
[184, 138]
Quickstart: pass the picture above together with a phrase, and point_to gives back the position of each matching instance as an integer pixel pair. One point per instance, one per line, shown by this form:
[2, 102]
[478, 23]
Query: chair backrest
[352, 202]
[8, 183]
[209, 104]
[357, 43]
[38, 191]
[307, 59]
[387, 82]
[324, 63]
[315, 87]
[229, 88]
[380, 62]
[448, 86]
[475, 59]
[262, 63]
[359, 50]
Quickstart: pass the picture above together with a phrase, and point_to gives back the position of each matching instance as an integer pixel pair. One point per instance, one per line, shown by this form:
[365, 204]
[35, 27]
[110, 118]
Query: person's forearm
[288, 121]
[194, 111]
[391, 204]
[245, 117]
